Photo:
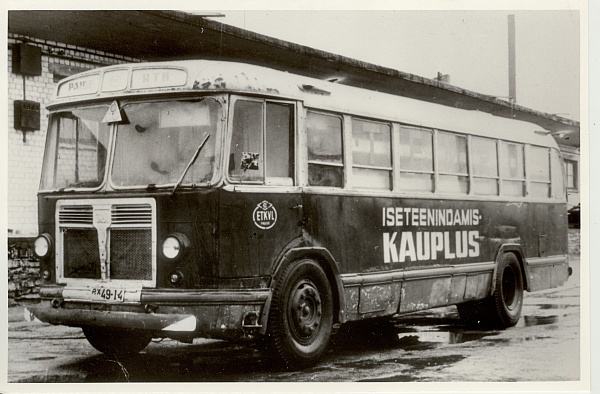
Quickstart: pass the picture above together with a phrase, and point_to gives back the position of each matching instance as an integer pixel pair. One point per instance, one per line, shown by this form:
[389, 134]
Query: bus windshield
[158, 140]
[76, 149]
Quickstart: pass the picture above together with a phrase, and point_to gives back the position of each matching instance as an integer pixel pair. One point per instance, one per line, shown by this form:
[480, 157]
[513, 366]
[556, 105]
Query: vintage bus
[224, 200]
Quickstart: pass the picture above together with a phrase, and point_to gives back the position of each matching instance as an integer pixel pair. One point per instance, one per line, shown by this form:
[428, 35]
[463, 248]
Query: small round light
[42, 246]
[175, 277]
[171, 247]
[46, 274]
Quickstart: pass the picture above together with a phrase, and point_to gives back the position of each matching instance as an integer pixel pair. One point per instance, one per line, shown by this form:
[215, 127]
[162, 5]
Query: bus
[216, 199]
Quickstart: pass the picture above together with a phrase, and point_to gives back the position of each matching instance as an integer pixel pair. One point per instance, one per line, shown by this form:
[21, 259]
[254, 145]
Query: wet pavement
[428, 346]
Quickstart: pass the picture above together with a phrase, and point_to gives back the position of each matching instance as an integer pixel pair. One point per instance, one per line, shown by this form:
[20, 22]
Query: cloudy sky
[471, 46]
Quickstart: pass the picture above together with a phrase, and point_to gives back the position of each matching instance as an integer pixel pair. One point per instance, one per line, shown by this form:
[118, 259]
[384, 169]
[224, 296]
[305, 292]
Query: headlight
[42, 246]
[174, 246]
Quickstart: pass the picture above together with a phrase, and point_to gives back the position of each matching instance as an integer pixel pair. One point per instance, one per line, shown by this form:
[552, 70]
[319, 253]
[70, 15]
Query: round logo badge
[264, 215]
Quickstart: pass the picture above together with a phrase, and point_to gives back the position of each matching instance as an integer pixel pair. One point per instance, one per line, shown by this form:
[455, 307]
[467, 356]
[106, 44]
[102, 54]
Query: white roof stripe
[208, 75]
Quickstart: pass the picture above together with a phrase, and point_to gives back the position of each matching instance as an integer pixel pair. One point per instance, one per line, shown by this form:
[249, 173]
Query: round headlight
[175, 246]
[42, 246]
[171, 247]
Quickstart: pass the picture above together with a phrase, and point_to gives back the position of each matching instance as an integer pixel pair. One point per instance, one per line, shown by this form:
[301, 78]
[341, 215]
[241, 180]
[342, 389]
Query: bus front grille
[107, 240]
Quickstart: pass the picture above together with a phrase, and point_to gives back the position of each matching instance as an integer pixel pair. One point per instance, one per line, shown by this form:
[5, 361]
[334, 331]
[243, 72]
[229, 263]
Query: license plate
[104, 294]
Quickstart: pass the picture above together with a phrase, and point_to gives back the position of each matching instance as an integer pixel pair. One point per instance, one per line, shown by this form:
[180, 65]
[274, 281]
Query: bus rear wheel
[508, 291]
[301, 316]
[503, 308]
[117, 341]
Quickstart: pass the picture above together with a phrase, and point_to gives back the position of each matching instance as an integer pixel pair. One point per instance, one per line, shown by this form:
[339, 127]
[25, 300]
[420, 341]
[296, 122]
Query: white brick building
[26, 149]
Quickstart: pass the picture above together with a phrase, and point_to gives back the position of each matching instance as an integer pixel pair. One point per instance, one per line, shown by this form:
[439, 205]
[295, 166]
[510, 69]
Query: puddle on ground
[557, 306]
[42, 358]
[446, 337]
[539, 320]
[411, 364]
[403, 337]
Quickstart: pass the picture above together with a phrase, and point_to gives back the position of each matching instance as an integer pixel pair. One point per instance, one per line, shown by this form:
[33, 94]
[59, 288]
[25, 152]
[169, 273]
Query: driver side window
[262, 149]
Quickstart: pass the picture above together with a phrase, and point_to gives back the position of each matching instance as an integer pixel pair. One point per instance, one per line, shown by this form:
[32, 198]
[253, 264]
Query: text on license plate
[104, 294]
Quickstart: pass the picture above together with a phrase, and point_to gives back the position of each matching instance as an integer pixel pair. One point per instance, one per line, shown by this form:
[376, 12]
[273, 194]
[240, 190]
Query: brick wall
[25, 153]
[23, 268]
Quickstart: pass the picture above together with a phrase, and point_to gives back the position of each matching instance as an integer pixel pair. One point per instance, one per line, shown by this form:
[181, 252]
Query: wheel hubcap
[306, 309]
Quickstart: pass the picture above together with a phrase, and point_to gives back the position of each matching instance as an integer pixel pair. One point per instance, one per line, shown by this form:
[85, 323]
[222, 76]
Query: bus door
[260, 210]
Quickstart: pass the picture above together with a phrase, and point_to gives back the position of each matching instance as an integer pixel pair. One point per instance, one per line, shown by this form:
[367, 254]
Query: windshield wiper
[190, 164]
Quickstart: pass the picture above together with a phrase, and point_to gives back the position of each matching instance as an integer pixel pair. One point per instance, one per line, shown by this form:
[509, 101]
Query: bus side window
[371, 155]
[416, 159]
[279, 141]
[259, 125]
[325, 162]
[247, 138]
[538, 171]
[452, 160]
[512, 165]
[484, 155]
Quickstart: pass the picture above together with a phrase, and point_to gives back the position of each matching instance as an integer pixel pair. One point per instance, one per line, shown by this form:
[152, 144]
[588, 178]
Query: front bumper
[223, 314]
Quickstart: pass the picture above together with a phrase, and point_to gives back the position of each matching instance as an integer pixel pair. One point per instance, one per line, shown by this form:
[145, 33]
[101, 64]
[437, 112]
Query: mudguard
[330, 267]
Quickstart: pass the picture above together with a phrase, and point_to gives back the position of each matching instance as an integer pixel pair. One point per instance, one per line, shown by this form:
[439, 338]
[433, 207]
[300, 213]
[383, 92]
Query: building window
[572, 175]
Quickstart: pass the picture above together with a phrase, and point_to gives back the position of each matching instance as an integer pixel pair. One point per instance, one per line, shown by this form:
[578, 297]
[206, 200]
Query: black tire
[117, 341]
[503, 308]
[300, 318]
[508, 291]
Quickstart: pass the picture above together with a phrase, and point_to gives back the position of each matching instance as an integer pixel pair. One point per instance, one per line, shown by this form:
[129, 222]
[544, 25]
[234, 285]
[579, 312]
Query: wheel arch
[326, 261]
[517, 250]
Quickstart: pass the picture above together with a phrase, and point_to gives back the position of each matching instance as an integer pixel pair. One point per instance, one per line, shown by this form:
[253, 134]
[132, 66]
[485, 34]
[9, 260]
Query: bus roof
[222, 76]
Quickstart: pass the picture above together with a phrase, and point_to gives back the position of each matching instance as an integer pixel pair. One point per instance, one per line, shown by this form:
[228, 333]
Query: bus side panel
[254, 228]
[547, 226]
[547, 276]
[443, 251]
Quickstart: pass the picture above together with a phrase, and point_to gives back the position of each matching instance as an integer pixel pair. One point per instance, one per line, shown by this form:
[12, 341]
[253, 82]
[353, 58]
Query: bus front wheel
[503, 308]
[301, 316]
[117, 341]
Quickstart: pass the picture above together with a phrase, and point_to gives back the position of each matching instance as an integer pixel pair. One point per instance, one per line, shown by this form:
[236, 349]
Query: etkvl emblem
[264, 215]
